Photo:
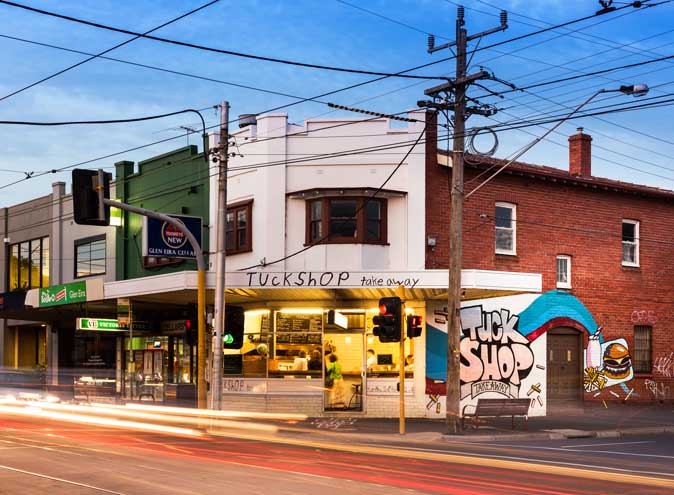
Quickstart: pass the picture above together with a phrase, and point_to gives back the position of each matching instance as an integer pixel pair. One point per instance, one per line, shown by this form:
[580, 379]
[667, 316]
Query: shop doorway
[347, 350]
[564, 365]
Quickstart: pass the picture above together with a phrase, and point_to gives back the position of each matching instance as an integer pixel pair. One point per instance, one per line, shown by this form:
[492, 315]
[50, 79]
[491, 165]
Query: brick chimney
[580, 154]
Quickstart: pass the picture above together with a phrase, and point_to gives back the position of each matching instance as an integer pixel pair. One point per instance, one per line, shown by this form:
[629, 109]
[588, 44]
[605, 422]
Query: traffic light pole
[201, 289]
[220, 258]
[401, 374]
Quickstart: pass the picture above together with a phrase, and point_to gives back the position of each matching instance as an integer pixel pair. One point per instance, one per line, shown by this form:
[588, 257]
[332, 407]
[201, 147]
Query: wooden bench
[494, 408]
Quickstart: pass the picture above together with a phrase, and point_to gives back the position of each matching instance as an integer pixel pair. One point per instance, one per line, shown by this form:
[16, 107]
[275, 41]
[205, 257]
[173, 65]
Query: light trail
[200, 421]
[37, 412]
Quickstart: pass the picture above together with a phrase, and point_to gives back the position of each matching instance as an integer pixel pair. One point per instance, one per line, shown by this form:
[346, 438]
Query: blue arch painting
[550, 310]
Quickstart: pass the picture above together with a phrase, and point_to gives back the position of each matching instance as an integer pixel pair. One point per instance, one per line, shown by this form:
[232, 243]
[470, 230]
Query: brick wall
[557, 217]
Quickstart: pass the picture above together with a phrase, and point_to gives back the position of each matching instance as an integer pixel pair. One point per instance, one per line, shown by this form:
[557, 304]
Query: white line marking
[60, 480]
[541, 461]
[621, 453]
[603, 444]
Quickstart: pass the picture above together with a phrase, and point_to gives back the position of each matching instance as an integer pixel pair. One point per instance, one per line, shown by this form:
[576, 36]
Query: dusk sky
[373, 35]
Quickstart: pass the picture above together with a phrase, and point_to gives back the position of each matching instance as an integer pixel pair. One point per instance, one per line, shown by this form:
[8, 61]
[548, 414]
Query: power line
[215, 50]
[136, 36]
[154, 67]
[381, 16]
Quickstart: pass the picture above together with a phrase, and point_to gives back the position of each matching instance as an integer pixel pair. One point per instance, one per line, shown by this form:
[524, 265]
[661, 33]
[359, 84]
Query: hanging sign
[162, 239]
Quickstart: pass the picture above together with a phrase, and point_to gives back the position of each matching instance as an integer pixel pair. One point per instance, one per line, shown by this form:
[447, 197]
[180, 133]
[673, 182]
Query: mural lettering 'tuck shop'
[503, 350]
[495, 357]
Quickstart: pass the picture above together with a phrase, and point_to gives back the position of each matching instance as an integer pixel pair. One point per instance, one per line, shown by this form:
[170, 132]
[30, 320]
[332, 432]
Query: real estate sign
[163, 240]
[57, 295]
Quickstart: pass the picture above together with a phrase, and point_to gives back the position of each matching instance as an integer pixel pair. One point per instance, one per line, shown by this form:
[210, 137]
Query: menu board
[299, 328]
[299, 322]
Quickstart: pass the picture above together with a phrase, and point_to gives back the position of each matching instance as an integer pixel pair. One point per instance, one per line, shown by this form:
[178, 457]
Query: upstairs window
[90, 256]
[346, 220]
[28, 264]
[238, 230]
[630, 234]
[506, 234]
[563, 271]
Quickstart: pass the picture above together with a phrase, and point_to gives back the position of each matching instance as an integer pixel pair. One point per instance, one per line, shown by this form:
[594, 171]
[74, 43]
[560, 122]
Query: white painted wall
[264, 175]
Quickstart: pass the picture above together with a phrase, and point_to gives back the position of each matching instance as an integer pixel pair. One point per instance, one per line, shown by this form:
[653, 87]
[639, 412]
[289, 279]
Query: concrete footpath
[567, 422]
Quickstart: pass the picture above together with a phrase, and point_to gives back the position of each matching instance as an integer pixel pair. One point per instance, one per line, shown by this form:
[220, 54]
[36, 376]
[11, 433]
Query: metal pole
[201, 290]
[401, 372]
[455, 238]
[220, 259]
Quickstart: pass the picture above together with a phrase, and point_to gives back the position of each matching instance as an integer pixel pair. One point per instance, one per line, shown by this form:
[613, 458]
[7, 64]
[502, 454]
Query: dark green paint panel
[174, 183]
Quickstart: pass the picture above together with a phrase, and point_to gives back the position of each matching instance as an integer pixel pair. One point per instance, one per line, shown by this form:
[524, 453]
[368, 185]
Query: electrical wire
[154, 67]
[136, 36]
[212, 49]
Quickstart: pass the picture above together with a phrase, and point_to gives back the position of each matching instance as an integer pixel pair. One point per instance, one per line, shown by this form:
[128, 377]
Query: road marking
[621, 453]
[549, 461]
[61, 480]
[604, 444]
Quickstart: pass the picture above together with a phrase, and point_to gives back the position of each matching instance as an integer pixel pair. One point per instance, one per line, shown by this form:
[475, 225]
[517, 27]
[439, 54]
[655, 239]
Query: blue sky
[634, 146]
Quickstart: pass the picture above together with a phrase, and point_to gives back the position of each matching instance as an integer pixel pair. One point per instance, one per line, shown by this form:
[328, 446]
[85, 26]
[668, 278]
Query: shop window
[643, 349]
[383, 359]
[90, 256]
[564, 271]
[28, 264]
[630, 236]
[506, 234]
[297, 344]
[238, 237]
[358, 220]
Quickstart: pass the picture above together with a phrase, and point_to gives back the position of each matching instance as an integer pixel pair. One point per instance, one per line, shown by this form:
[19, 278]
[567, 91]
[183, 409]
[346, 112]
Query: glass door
[344, 353]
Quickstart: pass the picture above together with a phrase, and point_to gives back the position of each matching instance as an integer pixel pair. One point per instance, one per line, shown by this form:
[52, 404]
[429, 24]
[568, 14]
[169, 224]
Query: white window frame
[635, 243]
[567, 284]
[513, 209]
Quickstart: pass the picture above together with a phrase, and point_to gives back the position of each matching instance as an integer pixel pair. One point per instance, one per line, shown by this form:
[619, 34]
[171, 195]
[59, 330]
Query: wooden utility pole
[455, 237]
[455, 99]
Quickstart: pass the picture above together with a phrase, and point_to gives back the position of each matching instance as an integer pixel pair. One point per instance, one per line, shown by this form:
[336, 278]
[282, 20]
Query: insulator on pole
[431, 42]
[504, 18]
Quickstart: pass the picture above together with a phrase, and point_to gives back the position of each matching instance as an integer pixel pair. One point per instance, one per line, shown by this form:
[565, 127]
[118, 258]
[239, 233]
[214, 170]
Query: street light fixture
[636, 90]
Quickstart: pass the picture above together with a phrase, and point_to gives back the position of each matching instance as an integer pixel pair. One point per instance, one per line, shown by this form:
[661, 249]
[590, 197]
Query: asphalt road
[39, 456]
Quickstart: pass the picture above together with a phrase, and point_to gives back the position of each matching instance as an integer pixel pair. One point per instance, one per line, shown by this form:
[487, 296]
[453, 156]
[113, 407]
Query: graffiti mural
[495, 357]
[503, 350]
[606, 364]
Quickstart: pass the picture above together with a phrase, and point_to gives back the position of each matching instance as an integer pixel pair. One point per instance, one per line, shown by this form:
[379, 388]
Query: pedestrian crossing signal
[414, 326]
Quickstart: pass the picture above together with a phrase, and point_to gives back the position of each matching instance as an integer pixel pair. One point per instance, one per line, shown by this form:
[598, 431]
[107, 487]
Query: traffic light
[234, 326]
[88, 194]
[192, 325]
[389, 321]
[413, 326]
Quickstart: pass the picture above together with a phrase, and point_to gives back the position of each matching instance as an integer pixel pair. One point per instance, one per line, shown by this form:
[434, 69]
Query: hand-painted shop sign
[56, 295]
[109, 325]
[164, 240]
[334, 279]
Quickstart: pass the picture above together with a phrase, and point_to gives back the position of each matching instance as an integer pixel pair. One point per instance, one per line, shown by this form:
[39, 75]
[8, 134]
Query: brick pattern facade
[559, 215]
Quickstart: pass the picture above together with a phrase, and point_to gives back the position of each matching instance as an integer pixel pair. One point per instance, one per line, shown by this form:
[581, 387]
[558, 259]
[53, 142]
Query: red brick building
[608, 243]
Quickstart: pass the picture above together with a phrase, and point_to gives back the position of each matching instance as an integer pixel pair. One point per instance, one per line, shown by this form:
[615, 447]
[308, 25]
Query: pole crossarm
[457, 88]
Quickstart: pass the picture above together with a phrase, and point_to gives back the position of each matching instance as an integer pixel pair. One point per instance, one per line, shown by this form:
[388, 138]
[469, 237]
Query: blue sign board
[163, 240]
